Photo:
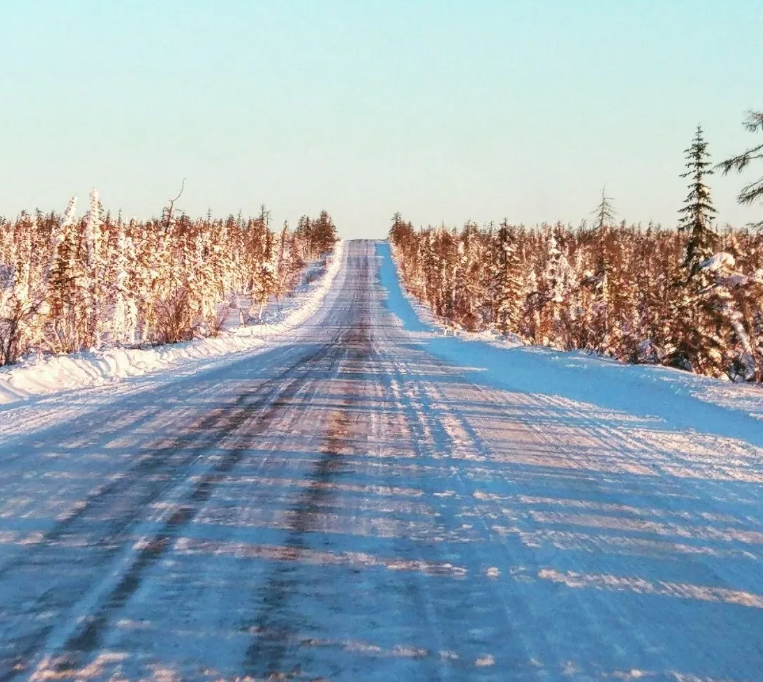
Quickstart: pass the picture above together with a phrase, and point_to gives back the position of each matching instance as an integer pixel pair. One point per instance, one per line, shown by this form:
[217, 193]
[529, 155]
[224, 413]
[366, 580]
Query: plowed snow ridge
[96, 368]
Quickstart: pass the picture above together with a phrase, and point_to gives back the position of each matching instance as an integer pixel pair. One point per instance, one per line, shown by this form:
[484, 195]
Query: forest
[688, 296]
[71, 283]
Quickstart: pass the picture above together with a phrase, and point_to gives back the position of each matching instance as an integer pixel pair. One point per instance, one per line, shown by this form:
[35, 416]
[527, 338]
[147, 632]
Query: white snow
[36, 376]
[719, 261]
[486, 509]
[680, 399]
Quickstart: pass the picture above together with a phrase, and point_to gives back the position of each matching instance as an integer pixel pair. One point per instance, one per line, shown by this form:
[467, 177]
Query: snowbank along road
[349, 506]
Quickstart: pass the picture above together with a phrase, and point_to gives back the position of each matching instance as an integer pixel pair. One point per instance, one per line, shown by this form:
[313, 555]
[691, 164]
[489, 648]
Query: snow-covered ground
[371, 500]
[50, 374]
[680, 399]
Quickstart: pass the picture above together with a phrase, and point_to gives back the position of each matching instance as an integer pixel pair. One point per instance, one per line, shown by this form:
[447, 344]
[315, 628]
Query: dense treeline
[69, 283]
[690, 297]
[618, 290]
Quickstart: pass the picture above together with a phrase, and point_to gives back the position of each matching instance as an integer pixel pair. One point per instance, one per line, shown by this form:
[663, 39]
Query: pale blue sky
[445, 110]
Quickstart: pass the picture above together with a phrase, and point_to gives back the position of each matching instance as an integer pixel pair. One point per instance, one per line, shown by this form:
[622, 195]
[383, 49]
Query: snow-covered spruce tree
[699, 341]
[600, 324]
[447, 272]
[283, 269]
[736, 301]
[146, 241]
[67, 324]
[123, 322]
[266, 279]
[625, 296]
[466, 279]
[289, 262]
[554, 288]
[18, 296]
[305, 237]
[316, 236]
[58, 234]
[406, 247]
[646, 303]
[754, 191]
[401, 234]
[27, 253]
[508, 278]
[324, 234]
[92, 281]
[698, 212]
[204, 276]
[131, 281]
[295, 262]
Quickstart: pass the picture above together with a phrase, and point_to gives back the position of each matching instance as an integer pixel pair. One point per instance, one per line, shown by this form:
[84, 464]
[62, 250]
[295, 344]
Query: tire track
[273, 628]
[255, 406]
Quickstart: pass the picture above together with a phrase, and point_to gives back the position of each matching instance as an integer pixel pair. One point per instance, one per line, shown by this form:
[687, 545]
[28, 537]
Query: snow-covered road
[352, 506]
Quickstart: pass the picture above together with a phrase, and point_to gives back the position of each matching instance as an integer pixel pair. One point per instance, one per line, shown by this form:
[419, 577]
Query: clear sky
[445, 110]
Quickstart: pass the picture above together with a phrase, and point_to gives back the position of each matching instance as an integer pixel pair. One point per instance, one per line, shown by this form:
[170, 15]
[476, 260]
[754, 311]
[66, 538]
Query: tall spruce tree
[698, 212]
[696, 308]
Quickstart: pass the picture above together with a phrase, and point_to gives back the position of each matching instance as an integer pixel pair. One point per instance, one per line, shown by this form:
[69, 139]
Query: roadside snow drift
[678, 399]
[38, 376]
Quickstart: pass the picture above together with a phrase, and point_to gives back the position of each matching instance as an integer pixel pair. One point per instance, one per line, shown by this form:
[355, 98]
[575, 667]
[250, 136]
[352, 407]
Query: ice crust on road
[64, 372]
[353, 505]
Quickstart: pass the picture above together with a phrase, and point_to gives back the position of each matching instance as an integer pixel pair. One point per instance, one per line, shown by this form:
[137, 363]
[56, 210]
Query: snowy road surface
[350, 506]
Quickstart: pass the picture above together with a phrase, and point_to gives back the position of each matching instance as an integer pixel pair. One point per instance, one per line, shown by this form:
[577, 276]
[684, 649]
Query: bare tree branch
[754, 191]
[168, 212]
